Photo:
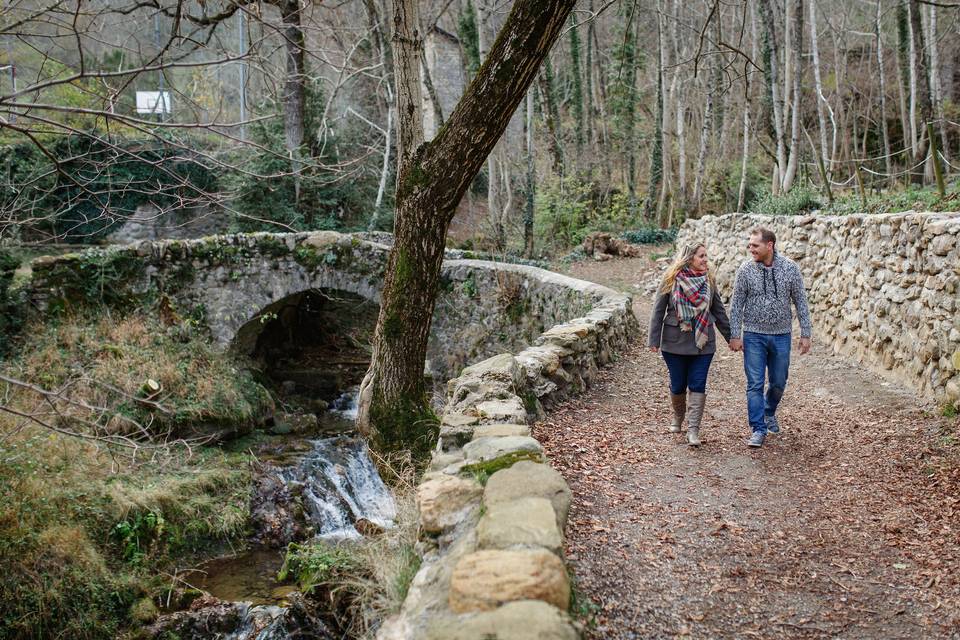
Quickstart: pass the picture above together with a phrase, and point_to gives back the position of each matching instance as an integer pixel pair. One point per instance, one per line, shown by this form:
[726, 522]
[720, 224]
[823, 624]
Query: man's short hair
[765, 234]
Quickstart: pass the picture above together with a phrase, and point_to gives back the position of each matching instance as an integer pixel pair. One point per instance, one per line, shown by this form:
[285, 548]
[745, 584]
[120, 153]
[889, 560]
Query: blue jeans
[763, 356]
[687, 372]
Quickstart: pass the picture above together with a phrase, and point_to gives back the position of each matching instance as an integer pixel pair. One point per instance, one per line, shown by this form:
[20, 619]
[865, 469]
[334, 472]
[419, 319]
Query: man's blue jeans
[765, 355]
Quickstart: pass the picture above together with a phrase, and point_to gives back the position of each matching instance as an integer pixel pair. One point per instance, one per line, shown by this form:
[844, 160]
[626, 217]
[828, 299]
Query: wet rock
[444, 500]
[529, 479]
[212, 618]
[484, 580]
[527, 620]
[526, 521]
[285, 423]
[366, 528]
[275, 515]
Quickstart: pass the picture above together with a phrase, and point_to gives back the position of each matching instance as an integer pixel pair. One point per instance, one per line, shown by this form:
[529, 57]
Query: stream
[308, 488]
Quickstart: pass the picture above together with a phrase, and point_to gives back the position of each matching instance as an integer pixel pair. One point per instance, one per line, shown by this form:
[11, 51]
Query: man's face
[759, 249]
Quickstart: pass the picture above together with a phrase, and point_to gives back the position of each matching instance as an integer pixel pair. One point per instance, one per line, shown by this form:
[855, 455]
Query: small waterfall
[346, 404]
[340, 486]
[260, 623]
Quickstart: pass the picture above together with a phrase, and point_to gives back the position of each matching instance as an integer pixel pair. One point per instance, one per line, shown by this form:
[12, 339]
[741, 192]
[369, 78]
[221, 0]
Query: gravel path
[845, 525]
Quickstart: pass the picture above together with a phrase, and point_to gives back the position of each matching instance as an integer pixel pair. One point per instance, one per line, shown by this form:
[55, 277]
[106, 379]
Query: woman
[681, 328]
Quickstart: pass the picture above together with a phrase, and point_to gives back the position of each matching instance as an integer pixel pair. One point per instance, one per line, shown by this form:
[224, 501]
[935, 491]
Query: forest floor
[847, 524]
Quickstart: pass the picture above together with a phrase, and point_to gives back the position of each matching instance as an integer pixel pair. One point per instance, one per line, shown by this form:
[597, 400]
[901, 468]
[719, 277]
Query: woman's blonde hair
[680, 262]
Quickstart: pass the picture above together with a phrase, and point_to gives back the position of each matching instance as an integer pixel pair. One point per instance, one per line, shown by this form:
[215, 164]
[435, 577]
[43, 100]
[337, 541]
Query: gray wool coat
[665, 328]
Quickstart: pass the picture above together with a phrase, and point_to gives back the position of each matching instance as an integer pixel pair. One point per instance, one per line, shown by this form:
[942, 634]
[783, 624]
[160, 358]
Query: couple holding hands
[688, 308]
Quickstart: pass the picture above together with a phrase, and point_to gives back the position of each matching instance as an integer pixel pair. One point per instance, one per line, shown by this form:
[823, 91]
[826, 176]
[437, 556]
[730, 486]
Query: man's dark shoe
[772, 425]
[756, 440]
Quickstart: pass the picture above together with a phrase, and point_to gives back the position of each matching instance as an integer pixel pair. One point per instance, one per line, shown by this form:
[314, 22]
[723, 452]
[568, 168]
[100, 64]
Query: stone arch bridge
[229, 283]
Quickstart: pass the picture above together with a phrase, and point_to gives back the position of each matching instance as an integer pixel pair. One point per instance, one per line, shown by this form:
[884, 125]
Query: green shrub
[650, 235]
[96, 185]
[11, 307]
[800, 199]
[894, 200]
[567, 211]
[314, 565]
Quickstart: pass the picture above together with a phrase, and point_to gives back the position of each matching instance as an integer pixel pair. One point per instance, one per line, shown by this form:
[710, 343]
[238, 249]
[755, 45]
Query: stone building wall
[883, 289]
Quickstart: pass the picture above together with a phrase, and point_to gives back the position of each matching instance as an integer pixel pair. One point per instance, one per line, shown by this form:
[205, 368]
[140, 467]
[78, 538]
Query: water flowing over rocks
[883, 289]
[212, 619]
[340, 486]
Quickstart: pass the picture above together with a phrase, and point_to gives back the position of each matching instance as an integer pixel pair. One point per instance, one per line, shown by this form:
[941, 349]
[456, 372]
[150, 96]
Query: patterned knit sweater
[762, 295]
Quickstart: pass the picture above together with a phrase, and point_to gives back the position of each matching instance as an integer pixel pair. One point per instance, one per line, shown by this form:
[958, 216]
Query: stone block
[484, 580]
[500, 430]
[524, 620]
[509, 410]
[529, 479]
[528, 522]
[444, 501]
[484, 449]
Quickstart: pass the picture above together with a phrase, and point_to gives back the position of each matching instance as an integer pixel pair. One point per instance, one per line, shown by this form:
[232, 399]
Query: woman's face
[699, 260]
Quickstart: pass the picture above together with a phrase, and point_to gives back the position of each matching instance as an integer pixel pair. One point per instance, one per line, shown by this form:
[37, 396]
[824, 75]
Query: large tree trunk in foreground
[432, 178]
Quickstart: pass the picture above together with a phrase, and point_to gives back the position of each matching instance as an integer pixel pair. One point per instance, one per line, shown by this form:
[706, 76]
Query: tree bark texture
[432, 179]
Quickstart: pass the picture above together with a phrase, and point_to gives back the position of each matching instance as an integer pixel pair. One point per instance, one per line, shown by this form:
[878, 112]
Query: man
[760, 325]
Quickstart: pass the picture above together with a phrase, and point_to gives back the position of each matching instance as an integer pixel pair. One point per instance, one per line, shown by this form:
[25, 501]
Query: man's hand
[804, 346]
[654, 349]
[736, 344]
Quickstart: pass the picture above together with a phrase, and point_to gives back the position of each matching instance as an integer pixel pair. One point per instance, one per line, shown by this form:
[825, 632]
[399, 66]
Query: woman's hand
[654, 349]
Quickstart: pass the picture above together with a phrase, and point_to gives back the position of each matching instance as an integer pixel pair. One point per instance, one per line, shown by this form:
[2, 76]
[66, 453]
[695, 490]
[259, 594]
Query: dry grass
[77, 541]
[96, 373]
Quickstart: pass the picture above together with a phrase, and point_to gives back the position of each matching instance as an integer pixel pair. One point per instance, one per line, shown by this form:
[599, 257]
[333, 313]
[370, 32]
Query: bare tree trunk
[888, 160]
[393, 407]
[681, 112]
[551, 117]
[936, 86]
[577, 90]
[591, 81]
[294, 88]
[493, 188]
[531, 180]
[656, 154]
[922, 84]
[702, 152]
[742, 191]
[771, 57]
[375, 24]
[904, 62]
[431, 91]
[915, 130]
[822, 102]
[797, 69]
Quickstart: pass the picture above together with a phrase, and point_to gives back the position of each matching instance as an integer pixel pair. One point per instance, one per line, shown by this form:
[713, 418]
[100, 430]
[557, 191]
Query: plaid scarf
[691, 296]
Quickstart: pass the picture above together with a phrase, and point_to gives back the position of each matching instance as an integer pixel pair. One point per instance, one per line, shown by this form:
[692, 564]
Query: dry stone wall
[492, 508]
[883, 289]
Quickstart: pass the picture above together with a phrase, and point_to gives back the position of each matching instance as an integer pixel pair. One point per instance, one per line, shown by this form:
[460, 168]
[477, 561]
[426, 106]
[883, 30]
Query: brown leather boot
[679, 402]
[697, 402]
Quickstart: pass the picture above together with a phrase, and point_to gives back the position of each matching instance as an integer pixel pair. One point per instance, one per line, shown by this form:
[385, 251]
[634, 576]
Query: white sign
[153, 102]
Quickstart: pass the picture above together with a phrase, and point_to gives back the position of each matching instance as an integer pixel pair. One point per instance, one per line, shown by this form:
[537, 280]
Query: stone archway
[312, 347]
